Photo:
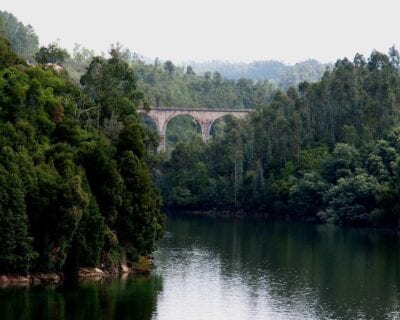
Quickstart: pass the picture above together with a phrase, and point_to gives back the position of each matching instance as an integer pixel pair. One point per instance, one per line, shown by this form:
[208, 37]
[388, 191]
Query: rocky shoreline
[143, 267]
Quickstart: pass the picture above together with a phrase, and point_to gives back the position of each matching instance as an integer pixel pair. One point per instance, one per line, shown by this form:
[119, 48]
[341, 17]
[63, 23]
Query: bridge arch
[181, 127]
[173, 116]
[215, 122]
[149, 121]
[205, 117]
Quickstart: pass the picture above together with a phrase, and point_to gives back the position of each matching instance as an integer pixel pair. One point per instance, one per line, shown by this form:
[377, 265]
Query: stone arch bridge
[205, 118]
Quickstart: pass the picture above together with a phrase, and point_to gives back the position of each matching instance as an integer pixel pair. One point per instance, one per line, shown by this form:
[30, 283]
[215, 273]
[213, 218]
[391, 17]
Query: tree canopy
[72, 194]
[326, 151]
[23, 39]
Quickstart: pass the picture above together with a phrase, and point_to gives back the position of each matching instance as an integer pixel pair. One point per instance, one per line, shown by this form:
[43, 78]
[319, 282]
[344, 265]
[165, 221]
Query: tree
[62, 185]
[16, 252]
[169, 67]
[7, 56]
[51, 54]
[23, 39]
[351, 201]
[139, 224]
[111, 85]
[190, 71]
[342, 163]
[306, 196]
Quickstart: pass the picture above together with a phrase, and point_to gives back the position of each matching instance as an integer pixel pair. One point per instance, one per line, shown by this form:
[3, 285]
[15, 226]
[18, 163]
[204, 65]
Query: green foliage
[51, 54]
[90, 235]
[16, 251]
[66, 189]
[352, 200]
[181, 129]
[24, 41]
[168, 85]
[8, 56]
[325, 151]
[306, 195]
[341, 163]
[111, 85]
[273, 71]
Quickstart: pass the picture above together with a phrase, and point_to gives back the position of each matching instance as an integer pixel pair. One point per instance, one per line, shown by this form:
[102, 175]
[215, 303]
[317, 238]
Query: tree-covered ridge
[167, 85]
[23, 39]
[274, 71]
[72, 193]
[328, 150]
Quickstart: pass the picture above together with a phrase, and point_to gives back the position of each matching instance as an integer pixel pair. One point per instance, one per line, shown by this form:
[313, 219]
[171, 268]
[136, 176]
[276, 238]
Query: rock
[6, 280]
[93, 273]
[46, 278]
[125, 268]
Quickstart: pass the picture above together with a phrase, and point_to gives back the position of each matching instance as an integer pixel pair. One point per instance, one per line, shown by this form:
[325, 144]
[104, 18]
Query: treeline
[22, 38]
[325, 151]
[167, 85]
[75, 187]
[274, 71]
[163, 84]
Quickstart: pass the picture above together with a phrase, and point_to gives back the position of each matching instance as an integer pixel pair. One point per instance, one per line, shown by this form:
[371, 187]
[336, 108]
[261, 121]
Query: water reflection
[133, 298]
[227, 269]
[220, 269]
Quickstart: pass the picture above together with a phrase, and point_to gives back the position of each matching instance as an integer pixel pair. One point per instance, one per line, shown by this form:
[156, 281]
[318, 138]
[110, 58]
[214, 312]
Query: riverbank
[260, 215]
[142, 267]
[239, 214]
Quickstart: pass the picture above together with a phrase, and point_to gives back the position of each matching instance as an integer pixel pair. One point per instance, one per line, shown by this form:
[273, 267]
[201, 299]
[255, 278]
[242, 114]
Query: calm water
[232, 269]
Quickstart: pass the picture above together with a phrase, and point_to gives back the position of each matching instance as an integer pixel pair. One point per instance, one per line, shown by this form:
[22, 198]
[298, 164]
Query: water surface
[235, 269]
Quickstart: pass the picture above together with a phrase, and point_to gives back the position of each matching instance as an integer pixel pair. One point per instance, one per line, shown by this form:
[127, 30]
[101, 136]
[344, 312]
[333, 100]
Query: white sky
[233, 30]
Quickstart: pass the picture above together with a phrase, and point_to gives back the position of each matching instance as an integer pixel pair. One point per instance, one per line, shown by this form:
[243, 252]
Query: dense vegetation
[23, 39]
[75, 160]
[75, 187]
[328, 150]
[167, 85]
[273, 71]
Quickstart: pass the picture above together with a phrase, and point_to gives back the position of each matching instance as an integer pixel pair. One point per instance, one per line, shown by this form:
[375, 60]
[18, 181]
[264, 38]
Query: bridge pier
[162, 145]
[206, 129]
[205, 118]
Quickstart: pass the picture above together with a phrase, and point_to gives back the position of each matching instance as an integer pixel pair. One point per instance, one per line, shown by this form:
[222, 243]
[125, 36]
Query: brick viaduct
[205, 118]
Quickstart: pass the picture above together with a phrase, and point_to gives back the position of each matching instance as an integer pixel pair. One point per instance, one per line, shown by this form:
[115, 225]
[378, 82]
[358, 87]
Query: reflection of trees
[341, 272]
[133, 298]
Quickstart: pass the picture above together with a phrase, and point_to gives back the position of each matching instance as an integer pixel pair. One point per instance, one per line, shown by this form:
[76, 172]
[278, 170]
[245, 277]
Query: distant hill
[271, 70]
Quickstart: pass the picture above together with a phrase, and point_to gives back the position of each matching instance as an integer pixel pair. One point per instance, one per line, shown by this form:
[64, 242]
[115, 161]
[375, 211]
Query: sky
[227, 30]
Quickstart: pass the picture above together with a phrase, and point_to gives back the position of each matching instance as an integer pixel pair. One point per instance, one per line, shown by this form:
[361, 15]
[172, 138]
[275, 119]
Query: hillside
[275, 71]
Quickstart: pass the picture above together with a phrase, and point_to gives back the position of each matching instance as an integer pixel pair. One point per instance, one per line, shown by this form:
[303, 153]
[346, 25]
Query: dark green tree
[51, 54]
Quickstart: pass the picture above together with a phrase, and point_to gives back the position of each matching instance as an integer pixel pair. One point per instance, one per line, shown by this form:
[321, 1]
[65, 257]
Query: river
[236, 269]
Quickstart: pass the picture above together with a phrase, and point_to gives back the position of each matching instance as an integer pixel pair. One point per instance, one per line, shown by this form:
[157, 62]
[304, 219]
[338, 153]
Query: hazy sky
[234, 30]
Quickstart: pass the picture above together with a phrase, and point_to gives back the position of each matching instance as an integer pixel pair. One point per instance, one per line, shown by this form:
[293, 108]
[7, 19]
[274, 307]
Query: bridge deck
[199, 110]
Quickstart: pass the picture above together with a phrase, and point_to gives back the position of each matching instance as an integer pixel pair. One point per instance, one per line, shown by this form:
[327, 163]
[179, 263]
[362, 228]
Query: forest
[82, 186]
[275, 72]
[75, 177]
[327, 151]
